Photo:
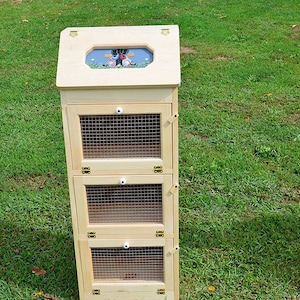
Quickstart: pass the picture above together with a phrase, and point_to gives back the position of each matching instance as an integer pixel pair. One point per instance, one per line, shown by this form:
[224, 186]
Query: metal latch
[174, 188]
[171, 252]
[173, 118]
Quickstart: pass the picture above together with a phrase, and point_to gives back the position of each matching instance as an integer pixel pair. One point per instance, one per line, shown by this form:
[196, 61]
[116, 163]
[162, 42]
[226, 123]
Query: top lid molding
[76, 43]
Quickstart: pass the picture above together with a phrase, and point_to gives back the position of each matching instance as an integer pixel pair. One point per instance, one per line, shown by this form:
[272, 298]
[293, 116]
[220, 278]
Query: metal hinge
[86, 170]
[91, 235]
[96, 292]
[73, 33]
[165, 31]
[161, 291]
[160, 233]
[158, 169]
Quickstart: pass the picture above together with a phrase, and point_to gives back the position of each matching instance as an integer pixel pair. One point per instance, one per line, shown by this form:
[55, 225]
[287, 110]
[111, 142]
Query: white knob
[126, 245]
[119, 110]
[123, 181]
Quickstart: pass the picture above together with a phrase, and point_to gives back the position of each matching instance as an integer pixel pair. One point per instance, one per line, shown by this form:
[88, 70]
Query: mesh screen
[125, 204]
[133, 264]
[121, 136]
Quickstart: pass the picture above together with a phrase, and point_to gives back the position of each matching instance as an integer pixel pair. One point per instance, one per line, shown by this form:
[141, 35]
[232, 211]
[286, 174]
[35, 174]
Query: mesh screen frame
[136, 264]
[128, 204]
[121, 136]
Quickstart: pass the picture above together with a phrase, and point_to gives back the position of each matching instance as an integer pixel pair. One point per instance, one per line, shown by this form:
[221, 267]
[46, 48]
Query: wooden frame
[119, 95]
[139, 230]
[108, 290]
[99, 95]
[128, 165]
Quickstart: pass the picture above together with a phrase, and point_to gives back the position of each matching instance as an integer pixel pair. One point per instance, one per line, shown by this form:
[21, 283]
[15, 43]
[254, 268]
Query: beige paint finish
[150, 90]
[76, 43]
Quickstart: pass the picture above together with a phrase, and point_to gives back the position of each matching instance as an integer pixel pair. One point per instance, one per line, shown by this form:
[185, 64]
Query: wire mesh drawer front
[121, 136]
[133, 264]
[141, 203]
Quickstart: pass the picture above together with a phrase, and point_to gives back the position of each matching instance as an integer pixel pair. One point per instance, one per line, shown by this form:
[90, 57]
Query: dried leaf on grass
[38, 271]
[47, 296]
[42, 183]
[211, 288]
[187, 50]
[17, 251]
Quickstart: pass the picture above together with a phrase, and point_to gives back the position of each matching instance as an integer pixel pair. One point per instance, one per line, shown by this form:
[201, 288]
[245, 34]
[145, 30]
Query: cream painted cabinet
[115, 271]
[121, 138]
[118, 89]
[112, 206]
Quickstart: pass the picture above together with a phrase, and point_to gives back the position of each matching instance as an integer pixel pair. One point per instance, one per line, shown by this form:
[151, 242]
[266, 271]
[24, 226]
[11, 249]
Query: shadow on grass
[23, 247]
[261, 251]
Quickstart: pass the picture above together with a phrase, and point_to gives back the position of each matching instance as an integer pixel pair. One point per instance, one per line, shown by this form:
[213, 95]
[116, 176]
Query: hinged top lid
[119, 57]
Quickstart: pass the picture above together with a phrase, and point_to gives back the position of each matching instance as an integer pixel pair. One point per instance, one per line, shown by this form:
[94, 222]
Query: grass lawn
[239, 145]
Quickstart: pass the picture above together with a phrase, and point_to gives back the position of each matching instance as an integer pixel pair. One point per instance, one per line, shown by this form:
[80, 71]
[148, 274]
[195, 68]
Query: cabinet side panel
[72, 199]
[176, 192]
